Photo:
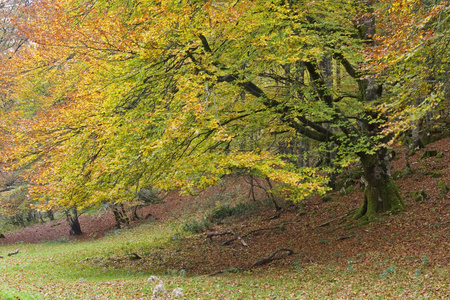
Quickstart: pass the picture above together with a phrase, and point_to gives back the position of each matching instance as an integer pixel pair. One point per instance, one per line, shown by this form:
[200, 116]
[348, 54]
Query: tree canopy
[113, 96]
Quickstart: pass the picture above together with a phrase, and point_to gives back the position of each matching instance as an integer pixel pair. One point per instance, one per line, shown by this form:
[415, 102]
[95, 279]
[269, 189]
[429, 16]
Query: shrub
[225, 211]
[196, 226]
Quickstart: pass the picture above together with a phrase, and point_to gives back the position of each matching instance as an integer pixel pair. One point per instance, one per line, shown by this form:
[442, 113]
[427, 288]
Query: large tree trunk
[74, 223]
[120, 215]
[380, 194]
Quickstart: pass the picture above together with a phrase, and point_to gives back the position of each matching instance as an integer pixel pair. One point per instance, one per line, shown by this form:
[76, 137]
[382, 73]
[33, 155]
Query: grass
[75, 270]
[11, 295]
[403, 257]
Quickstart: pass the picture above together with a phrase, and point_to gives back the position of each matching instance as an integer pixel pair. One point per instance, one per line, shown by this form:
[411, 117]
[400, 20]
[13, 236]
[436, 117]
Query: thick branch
[205, 43]
[347, 65]
[317, 132]
[322, 89]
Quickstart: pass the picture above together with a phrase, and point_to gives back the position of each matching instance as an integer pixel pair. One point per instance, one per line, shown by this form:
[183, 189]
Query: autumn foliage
[113, 96]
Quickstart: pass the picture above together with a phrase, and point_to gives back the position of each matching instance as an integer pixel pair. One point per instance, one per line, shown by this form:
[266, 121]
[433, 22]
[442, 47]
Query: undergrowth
[103, 269]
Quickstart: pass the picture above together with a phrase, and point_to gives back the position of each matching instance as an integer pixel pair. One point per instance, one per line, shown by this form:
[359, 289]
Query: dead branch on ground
[13, 253]
[212, 234]
[273, 256]
[236, 237]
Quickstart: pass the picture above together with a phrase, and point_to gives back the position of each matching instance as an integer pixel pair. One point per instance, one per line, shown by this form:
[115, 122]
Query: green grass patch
[101, 269]
[8, 294]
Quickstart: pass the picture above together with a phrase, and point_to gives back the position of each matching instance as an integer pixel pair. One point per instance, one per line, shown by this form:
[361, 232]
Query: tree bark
[380, 194]
[120, 215]
[74, 223]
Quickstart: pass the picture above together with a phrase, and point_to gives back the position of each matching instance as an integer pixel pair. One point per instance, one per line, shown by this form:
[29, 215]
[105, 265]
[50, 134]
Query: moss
[443, 188]
[350, 189]
[431, 138]
[408, 171]
[418, 196]
[429, 153]
[390, 201]
[442, 185]
[397, 174]
[436, 174]
[302, 212]
[327, 198]
[446, 132]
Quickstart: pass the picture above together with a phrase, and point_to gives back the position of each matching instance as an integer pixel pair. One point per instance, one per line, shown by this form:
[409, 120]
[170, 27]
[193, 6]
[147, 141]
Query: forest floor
[317, 232]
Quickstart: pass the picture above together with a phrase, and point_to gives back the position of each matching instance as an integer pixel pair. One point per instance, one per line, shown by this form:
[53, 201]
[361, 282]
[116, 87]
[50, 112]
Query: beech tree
[177, 94]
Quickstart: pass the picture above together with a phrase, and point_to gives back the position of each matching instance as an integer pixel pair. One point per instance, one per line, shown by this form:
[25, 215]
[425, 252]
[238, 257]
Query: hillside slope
[317, 232]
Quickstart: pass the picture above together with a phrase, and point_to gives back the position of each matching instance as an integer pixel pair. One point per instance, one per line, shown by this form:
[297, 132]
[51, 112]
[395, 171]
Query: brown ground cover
[317, 232]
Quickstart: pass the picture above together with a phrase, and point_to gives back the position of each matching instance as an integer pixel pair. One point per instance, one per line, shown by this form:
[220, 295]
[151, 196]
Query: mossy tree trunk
[380, 194]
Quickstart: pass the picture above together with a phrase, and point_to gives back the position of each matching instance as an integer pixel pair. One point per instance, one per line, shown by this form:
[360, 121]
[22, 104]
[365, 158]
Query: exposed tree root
[335, 219]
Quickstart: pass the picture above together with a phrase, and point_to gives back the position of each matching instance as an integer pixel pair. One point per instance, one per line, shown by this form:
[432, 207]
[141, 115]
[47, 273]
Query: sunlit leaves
[123, 95]
[113, 96]
[409, 48]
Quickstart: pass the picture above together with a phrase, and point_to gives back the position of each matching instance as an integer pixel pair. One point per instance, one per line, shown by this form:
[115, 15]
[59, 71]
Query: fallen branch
[229, 241]
[232, 270]
[13, 253]
[236, 237]
[210, 235]
[323, 224]
[262, 229]
[272, 257]
[260, 262]
[7, 189]
[242, 242]
[277, 216]
[133, 256]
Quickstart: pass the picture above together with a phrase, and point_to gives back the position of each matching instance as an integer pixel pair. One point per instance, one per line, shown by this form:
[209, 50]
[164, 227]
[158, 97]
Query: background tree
[14, 205]
[410, 56]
